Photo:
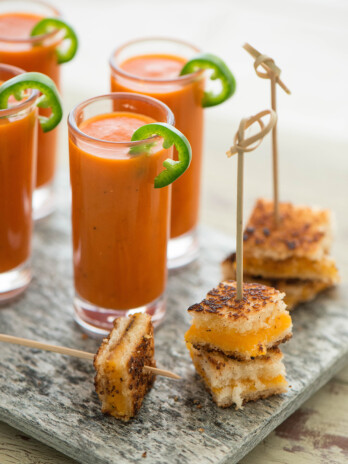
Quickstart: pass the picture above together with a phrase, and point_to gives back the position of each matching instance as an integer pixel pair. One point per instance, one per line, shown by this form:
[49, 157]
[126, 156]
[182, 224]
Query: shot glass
[120, 222]
[183, 95]
[18, 48]
[18, 150]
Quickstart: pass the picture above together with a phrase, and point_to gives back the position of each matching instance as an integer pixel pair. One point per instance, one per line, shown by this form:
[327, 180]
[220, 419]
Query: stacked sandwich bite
[121, 381]
[234, 343]
[292, 256]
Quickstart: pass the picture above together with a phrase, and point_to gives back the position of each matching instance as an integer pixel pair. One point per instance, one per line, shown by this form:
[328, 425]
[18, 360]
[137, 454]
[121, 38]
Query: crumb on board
[199, 406]
[201, 430]
[176, 398]
[195, 401]
[84, 336]
[144, 454]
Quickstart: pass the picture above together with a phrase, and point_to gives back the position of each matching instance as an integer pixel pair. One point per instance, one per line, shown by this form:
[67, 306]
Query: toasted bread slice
[243, 329]
[121, 381]
[235, 382]
[303, 232]
[296, 290]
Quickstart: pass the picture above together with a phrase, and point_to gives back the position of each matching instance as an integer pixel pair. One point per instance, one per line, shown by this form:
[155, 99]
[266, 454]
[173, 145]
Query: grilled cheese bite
[231, 381]
[293, 257]
[296, 290]
[243, 329]
[120, 380]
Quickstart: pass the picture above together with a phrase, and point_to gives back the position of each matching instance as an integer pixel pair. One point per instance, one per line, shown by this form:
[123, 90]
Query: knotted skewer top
[271, 69]
[251, 143]
[240, 146]
[272, 72]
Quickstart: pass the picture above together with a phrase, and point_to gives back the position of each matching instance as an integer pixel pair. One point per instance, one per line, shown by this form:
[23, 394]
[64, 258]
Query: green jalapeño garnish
[220, 72]
[68, 48]
[171, 136]
[18, 85]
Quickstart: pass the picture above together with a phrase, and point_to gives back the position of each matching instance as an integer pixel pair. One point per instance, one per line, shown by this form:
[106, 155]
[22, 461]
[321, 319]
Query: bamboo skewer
[74, 353]
[272, 72]
[275, 152]
[242, 145]
[240, 190]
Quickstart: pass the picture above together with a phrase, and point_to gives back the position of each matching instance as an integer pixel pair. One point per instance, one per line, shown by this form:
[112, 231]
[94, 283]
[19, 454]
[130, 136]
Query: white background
[308, 40]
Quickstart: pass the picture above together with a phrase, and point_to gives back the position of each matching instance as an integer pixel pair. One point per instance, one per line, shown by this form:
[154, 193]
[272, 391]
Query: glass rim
[22, 105]
[36, 38]
[113, 96]
[175, 80]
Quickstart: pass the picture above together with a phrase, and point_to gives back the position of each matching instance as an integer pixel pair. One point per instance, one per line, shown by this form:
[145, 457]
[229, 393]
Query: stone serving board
[52, 398]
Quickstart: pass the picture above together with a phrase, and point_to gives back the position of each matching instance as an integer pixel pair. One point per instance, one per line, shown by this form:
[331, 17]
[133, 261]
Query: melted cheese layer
[303, 268]
[249, 343]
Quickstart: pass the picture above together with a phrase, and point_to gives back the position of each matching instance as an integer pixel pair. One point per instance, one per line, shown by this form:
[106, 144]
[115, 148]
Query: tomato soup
[17, 48]
[120, 221]
[157, 75]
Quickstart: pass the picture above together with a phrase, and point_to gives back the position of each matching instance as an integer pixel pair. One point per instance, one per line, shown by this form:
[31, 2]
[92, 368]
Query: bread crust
[222, 300]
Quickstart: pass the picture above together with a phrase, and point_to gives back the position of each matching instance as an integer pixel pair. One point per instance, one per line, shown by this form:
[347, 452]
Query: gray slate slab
[51, 397]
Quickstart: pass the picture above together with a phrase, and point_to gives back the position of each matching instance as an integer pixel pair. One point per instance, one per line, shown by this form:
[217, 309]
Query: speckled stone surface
[52, 398]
